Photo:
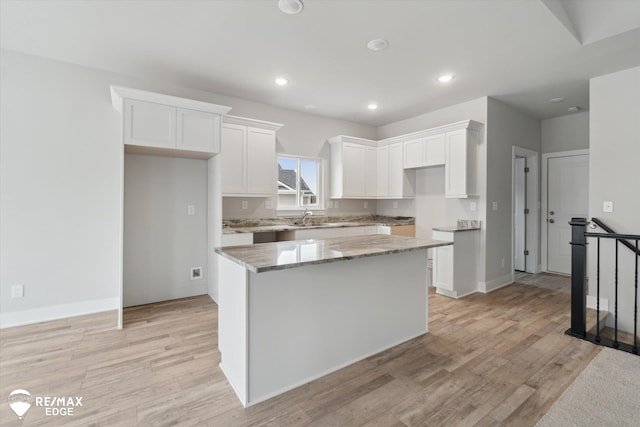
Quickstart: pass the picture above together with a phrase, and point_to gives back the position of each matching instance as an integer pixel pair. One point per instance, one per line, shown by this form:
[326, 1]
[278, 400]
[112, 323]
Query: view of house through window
[299, 183]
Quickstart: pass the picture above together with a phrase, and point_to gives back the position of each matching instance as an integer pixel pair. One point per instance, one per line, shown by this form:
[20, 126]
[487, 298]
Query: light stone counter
[281, 255]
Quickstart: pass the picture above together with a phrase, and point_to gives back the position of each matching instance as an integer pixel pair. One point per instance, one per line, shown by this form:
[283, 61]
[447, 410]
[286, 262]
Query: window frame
[319, 208]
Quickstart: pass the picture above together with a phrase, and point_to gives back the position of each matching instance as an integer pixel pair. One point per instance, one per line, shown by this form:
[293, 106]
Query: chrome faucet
[305, 216]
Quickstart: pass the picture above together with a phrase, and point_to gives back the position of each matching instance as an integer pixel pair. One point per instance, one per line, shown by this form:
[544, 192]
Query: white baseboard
[494, 284]
[55, 312]
[591, 303]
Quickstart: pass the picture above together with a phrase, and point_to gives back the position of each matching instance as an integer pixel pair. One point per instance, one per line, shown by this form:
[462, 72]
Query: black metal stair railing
[579, 235]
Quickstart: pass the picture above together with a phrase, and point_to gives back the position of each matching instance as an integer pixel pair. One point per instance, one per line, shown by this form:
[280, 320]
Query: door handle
[551, 221]
[551, 212]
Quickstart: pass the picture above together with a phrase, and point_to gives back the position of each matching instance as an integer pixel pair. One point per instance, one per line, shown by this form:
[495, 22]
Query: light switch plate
[330, 204]
[336, 204]
[366, 205]
[245, 204]
[191, 210]
[607, 206]
[473, 207]
[495, 206]
[17, 291]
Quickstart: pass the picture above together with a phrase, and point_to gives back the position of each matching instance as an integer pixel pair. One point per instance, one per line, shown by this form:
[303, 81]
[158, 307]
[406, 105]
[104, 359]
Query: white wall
[60, 172]
[506, 127]
[161, 241]
[565, 133]
[614, 150]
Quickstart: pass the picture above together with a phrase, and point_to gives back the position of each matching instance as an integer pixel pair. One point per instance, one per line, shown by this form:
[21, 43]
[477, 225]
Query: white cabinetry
[248, 151]
[326, 233]
[353, 168]
[161, 124]
[455, 267]
[461, 163]
[362, 170]
[423, 152]
[237, 239]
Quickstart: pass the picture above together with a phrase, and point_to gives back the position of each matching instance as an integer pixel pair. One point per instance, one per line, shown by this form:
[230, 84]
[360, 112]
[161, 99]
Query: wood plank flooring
[489, 360]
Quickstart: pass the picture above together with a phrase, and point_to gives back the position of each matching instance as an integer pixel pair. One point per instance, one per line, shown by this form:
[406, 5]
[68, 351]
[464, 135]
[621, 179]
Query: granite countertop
[285, 224]
[281, 255]
[462, 225]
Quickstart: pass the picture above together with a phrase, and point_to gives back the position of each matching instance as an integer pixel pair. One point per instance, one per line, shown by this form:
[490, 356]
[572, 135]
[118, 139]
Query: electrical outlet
[191, 210]
[17, 291]
[196, 273]
[268, 204]
[502, 262]
[395, 205]
[366, 205]
[473, 207]
[607, 206]
[495, 206]
[245, 204]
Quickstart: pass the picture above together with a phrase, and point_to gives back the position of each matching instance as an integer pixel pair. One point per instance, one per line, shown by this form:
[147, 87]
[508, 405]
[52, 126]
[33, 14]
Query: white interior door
[567, 197]
[519, 222]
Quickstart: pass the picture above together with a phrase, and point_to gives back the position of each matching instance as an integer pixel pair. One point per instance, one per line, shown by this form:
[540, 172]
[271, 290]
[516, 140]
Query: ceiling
[523, 52]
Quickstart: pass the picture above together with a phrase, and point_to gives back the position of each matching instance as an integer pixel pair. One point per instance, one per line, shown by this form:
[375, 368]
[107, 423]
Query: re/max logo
[58, 401]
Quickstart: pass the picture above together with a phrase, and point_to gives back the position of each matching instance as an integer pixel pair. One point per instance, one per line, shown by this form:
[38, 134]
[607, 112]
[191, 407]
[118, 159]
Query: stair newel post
[578, 277]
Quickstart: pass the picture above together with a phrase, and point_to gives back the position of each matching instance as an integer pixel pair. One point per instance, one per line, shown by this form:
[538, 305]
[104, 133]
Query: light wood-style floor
[489, 360]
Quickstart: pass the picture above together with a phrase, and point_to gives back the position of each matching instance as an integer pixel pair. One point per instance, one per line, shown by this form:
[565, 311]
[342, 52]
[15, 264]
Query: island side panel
[307, 322]
[232, 325]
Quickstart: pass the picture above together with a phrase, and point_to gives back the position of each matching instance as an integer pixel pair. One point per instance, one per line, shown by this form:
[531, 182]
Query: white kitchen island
[290, 312]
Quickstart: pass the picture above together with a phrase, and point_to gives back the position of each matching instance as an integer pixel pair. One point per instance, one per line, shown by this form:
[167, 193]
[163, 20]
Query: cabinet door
[435, 150]
[383, 171]
[196, 131]
[396, 170]
[414, 154]
[261, 161]
[149, 124]
[233, 148]
[443, 267]
[456, 164]
[354, 167]
[371, 173]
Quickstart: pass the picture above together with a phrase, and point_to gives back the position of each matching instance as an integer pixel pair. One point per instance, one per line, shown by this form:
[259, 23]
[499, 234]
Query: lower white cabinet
[326, 233]
[237, 239]
[455, 267]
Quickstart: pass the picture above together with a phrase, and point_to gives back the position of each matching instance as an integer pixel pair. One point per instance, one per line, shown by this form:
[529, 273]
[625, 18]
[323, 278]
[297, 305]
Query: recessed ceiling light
[445, 78]
[556, 100]
[290, 7]
[281, 81]
[377, 44]
[372, 106]
[573, 109]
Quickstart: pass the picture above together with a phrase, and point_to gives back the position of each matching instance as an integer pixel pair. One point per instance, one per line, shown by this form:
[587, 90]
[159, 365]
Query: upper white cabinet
[461, 163]
[353, 168]
[161, 124]
[362, 170]
[248, 151]
[423, 152]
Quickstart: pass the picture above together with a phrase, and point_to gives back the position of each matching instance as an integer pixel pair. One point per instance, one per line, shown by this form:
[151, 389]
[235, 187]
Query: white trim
[55, 312]
[533, 219]
[591, 303]
[118, 93]
[465, 124]
[492, 285]
[244, 121]
[544, 201]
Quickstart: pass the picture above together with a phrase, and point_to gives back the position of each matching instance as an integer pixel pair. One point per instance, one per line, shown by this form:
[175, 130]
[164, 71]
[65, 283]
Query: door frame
[532, 220]
[544, 200]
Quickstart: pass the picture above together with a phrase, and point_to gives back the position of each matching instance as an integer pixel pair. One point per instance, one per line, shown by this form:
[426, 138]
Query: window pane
[308, 182]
